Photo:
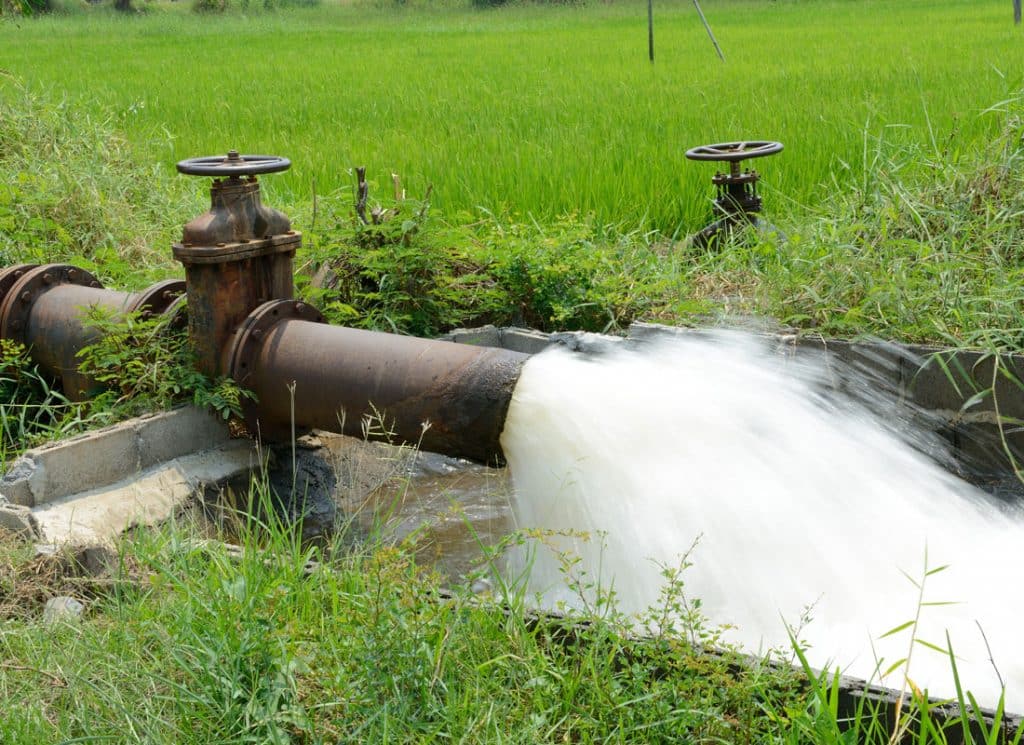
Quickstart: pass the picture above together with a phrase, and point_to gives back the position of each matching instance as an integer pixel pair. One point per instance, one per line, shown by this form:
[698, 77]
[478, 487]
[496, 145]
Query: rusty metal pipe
[243, 322]
[335, 378]
[46, 309]
[57, 330]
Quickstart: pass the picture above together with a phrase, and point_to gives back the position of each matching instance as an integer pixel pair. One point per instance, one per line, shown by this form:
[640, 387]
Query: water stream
[795, 503]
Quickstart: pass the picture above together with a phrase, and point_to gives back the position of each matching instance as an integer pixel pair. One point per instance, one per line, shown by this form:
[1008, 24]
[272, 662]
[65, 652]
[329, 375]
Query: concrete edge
[105, 456]
[154, 494]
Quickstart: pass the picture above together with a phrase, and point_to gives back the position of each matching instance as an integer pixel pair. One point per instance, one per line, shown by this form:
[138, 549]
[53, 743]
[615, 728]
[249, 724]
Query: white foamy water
[795, 502]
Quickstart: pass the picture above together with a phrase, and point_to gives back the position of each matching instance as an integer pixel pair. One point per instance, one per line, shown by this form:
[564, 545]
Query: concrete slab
[99, 515]
[160, 435]
[88, 489]
[105, 456]
[527, 341]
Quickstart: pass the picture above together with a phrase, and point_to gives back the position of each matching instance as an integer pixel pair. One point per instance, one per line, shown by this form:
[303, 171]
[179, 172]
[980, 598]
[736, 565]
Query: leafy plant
[72, 191]
[146, 364]
[31, 409]
[25, 7]
[395, 270]
[574, 274]
[209, 6]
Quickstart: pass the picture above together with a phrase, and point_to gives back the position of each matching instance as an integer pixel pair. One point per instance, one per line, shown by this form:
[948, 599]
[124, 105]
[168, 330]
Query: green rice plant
[539, 111]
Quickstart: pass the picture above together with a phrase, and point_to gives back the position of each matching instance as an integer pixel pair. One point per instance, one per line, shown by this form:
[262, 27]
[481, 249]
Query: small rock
[309, 442]
[96, 561]
[62, 608]
[47, 551]
[16, 519]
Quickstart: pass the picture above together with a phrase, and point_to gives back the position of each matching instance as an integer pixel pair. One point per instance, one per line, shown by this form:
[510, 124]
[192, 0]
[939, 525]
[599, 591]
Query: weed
[396, 271]
[73, 191]
[145, 364]
[32, 410]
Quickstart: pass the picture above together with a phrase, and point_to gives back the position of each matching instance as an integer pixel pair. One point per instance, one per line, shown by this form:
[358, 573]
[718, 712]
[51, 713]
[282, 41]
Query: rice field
[539, 111]
[544, 115]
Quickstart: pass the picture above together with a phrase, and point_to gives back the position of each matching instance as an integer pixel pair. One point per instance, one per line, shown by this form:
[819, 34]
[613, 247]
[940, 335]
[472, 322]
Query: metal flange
[17, 304]
[156, 299]
[248, 339]
[9, 276]
[176, 314]
[240, 250]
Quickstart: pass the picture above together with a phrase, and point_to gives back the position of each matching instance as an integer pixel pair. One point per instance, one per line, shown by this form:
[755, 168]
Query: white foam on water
[795, 501]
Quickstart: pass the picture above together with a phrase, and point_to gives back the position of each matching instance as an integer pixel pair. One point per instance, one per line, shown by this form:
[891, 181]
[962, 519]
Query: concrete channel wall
[90, 488]
[973, 400]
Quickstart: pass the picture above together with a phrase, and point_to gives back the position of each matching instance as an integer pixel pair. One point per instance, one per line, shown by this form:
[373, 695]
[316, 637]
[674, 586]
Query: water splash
[796, 500]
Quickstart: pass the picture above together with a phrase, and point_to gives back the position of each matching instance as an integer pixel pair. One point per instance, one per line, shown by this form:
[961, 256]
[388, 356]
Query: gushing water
[796, 502]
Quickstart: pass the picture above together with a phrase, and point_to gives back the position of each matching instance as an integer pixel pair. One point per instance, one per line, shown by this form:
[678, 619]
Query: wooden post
[650, 29]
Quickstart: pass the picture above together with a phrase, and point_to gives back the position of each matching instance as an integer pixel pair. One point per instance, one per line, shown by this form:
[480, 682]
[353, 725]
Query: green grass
[187, 640]
[190, 643]
[538, 110]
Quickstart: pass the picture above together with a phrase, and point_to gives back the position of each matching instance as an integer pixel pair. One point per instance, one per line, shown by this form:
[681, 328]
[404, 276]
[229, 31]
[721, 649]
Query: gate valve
[736, 197]
[236, 215]
[237, 256]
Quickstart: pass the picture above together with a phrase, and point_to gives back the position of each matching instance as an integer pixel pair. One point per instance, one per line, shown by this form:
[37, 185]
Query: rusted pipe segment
[10, 275]
[47, 311]
[58, 329]
[43, 311]
[343, 375]
[233, 164]
[734, 151]
[33, 283]
[221, 294]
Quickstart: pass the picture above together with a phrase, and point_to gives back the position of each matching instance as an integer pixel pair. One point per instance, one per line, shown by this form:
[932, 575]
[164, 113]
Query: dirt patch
[30, 577]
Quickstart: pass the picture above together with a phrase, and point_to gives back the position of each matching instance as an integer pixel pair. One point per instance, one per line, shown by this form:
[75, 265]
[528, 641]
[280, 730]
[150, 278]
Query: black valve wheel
[233, 164]
[731, 152]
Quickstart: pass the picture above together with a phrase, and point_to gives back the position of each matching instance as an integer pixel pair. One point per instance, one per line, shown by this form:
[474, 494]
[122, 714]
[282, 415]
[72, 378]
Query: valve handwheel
[734, 151]
[736, 199]
[233, 165]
